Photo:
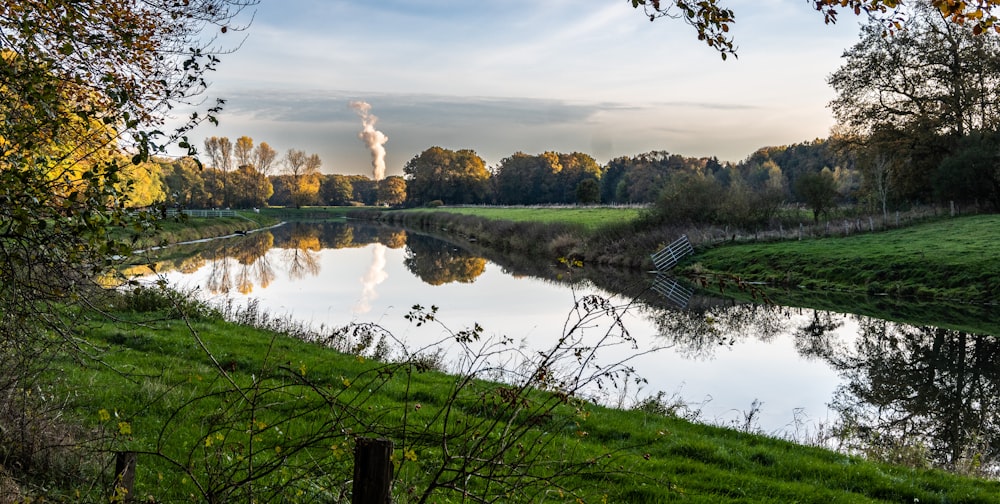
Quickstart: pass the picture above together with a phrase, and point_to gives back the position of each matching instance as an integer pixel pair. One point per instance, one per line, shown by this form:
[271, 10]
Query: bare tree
[263, 158]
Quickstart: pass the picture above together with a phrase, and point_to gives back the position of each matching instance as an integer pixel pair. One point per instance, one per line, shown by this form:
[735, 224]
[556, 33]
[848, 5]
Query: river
[908, 393]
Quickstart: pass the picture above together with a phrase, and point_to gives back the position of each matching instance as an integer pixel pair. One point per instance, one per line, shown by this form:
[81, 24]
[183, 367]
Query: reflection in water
[294, 249]
[698, 331]
[437, 263]
[923, 396]
[920, 393]
[910, 394]
[301, 252]
[376, 274]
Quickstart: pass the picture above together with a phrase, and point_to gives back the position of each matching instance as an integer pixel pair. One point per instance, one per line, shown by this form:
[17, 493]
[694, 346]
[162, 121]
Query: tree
[250, 188]
[220, 154]
[818, 191]
[588, 191]
[336, 190]
[933, 73]
[142, 184]
[454, 177]
[184, 184]
[305, 174]
[392, 190]
[916, 94]
[712, 21]
[80, 82]
[263, 158]
[972, 173]
[243, 151]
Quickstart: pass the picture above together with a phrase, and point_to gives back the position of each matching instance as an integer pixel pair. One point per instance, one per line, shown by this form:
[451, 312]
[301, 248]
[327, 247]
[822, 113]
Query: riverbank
[211, 405]
[179, 229]
[948, 259]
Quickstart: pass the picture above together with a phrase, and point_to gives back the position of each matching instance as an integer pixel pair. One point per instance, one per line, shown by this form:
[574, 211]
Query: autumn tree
[550, 177]
[263, 158]
[220, 154]
[712, 21]
[304, 171]
[392, 190]
[454, 177]
[80, 82]
[249, 188]
[183, 183]
[243, 151]
[143, 185]
[336, 190]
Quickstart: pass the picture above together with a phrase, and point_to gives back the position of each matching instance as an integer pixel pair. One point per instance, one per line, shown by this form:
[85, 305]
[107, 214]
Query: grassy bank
[946, 259]
[953, 259]
[590, 219]
[181, 229]
[227, 411]
[615, 237]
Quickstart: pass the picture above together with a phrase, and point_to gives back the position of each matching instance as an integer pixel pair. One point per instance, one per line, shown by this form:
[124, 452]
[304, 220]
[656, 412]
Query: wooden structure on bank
[669, 256]
[664, 260]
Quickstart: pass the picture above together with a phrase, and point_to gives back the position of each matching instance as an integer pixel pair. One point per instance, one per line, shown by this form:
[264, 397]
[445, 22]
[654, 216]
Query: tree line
[243, 175]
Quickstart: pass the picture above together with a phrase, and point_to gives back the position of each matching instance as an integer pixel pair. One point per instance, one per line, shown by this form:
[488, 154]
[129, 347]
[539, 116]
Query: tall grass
[200, 398]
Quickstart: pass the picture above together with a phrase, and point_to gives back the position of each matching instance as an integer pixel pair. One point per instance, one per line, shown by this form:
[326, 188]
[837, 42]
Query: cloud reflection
[376, 274]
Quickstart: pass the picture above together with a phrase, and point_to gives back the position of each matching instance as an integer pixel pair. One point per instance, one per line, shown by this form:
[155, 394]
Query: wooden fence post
[372, 471]
[125, 475]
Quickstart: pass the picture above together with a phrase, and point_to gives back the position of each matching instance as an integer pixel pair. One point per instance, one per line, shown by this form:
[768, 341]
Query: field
[589, 218]
[950, 259]
[219, 410]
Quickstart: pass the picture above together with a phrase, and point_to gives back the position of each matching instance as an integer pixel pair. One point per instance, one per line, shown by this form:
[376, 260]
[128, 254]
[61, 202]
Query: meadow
[219, 411]
[587, 218]
[948, 259]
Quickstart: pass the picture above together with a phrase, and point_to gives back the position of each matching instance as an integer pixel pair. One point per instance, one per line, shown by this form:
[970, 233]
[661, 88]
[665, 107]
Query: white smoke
[376, 274]
[373, 138]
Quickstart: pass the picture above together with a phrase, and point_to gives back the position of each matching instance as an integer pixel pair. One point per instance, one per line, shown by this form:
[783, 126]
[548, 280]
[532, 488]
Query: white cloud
[498, 77]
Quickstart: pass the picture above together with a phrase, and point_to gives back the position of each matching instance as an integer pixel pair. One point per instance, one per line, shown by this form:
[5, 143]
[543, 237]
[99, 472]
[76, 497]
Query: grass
[157, 391]
[589, 218]
[177, 229]
[950, 259]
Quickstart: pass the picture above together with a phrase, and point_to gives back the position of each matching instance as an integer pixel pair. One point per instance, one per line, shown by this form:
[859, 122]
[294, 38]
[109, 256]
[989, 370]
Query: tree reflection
[922, 396]
[437, 262]
[251, 266]
[917, 392]
[301, 251]
[697, 332]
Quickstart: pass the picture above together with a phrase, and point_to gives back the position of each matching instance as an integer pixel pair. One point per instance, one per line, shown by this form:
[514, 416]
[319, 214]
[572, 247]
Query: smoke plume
[373, 138]
[376, 274]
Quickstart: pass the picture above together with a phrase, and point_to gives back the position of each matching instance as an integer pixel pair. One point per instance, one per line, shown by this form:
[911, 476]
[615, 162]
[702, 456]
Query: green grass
[314, 212]
[950, 259]
[177, 229]
[589, 218]
[157, 391]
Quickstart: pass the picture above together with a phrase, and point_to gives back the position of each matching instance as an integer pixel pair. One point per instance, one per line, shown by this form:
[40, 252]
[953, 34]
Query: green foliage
[275, 417]
[454, 177]
[591, 219]
[818, 191]
[547, 178]
[950, 259]
[588, 191]
[85, 86]
[972, 173]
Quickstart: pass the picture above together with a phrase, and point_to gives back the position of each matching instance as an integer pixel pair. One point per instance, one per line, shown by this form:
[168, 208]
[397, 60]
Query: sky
[504, 76]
